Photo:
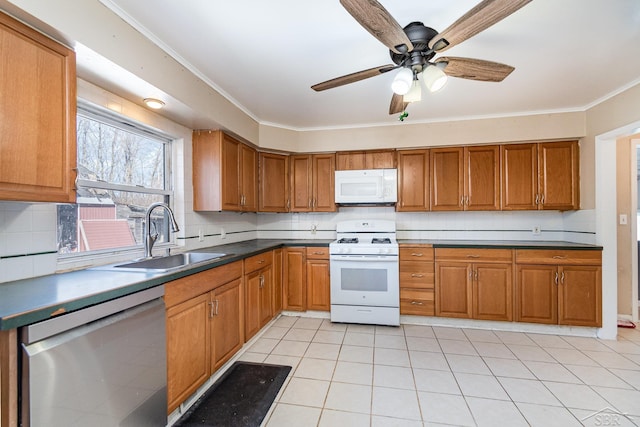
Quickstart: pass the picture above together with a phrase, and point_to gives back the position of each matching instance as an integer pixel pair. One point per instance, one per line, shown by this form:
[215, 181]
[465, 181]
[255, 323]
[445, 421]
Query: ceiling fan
[413, 48]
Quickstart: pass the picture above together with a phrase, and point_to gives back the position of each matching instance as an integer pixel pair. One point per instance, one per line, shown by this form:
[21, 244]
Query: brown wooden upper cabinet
[370, 159]
[465, 178]
[312, 182]
[413, 181]
[38, 108]
[541, 176]
[274, 183]
[225, 173]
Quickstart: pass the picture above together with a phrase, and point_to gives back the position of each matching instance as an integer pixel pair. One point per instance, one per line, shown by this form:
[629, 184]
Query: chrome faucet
[150, 239]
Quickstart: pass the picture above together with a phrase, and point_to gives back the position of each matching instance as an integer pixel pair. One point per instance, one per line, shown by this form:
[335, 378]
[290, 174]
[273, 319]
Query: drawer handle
[417, 275]
[261, 261]
[559, 257]
[318, 253]
[416, 303]
[416, 254]
[473, 256]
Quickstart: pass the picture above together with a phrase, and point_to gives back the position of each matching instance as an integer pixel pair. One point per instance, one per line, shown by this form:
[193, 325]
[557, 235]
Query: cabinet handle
[318, 253]
[417, 275]
[556, 280]
[467, 200]
[416, 254]
[537, 199]
[462, 200]
[261, 261]
[217, 303]
[288, 204]
[542, 199]
[562, 278]
[261, 281]
[309, 203]
[475, 275]
[212, 311]
[416, 303]
[315, 202]
[559, 257]
[470, 274]
[473, 256]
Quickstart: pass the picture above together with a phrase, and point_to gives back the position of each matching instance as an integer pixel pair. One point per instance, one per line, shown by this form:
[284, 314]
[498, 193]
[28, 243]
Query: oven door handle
[364, 258]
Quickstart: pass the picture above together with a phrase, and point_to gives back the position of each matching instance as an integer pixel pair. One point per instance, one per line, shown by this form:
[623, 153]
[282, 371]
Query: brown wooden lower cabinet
[318, 285]
[203, 327]
[559, 287]
[295, 274]
[258, 306]
[474, 283]
[417, 279]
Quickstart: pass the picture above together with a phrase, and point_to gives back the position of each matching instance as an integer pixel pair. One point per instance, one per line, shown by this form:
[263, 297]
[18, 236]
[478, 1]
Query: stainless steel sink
[166, 263]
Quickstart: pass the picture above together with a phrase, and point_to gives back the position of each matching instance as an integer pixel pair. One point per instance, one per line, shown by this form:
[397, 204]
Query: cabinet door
[318, 286]
[482, 178]
[453, 289]
[300, 179]
[230, 172]
[519, 176]
[252, 285]
[492, 292]
[248, 179]
[537, 294]
[559, 176]
[580, 296]
[350, 160]
[380, 159]
[278, 268]
[37, 116]
[274, 183]
[413, 181]
[324, 166]
[188, 348]
[295, 277]
[227, 326]
[266, 295]
[447, 174]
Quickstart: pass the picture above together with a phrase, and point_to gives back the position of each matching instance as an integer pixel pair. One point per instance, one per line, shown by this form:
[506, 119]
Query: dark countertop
[500, 244]
[27, 301]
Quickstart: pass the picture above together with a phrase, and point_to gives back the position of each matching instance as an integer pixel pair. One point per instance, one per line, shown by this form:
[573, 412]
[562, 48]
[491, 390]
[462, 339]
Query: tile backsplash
[28, 231]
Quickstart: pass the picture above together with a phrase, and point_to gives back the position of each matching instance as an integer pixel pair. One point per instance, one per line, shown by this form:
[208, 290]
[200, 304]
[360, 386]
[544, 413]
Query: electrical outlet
[200, 235]
[536, 230]
[623, 219]
[223, 234]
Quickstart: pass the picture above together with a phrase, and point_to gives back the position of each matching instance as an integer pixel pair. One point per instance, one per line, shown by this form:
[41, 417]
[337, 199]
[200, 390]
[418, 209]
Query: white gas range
[364, 273]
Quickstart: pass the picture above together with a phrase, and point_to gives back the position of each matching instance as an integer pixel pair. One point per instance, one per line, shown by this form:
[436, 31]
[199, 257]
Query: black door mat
[241, 397]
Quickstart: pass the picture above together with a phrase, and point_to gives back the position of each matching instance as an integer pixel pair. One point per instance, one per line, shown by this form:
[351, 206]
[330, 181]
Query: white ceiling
[264, 56]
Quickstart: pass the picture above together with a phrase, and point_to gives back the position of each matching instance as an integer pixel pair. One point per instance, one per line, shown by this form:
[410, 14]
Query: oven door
[367, 280]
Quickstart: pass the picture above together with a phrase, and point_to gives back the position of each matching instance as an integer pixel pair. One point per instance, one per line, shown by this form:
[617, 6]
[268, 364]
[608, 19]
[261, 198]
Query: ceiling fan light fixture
[434, 78]
[402, 81]
[415, 93]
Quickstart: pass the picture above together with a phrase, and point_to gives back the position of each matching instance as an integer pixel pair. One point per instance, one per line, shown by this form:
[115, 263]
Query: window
[122, 169]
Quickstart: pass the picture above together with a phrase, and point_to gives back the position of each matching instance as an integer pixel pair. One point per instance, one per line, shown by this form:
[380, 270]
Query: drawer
[416, 253]
[417, 275]
[474, 255]
[417, 302]
[256, 262]
[318, 252]
[188, 287]
[558, 257]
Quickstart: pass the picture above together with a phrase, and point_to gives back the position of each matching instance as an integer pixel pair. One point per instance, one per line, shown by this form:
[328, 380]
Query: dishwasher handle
[48, 328]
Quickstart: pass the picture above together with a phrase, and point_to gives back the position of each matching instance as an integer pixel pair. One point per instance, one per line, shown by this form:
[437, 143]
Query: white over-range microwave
[366, 187]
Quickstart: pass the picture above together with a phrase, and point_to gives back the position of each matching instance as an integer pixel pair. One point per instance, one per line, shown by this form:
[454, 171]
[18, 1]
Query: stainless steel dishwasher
[104, 365]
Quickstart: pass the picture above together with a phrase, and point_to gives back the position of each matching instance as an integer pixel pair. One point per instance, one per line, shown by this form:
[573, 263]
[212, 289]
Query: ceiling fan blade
[397, 104]
[482, 16]
[375, 19]
[475, 69]
[353, 77]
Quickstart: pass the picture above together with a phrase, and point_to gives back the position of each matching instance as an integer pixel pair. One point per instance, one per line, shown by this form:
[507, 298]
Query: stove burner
[348, 240]
[381, 240]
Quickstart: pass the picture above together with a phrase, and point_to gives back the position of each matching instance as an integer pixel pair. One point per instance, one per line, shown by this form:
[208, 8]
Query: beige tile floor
[360, 375]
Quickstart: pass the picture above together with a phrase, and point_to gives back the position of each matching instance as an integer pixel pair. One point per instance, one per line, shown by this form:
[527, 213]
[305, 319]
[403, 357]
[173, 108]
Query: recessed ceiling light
[156, 104]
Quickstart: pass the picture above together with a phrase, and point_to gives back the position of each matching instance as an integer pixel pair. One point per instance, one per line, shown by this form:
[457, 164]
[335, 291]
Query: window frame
[111, 118]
